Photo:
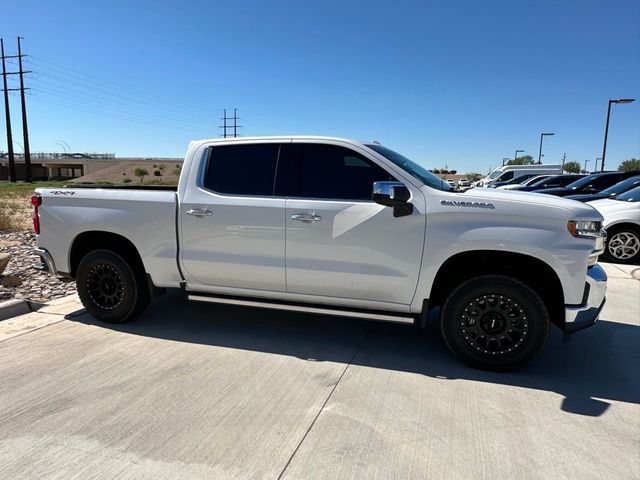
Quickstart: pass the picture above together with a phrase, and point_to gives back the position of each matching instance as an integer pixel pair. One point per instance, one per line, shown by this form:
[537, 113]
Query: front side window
[333, 172]
[506, 176]
[632, 195]
[242, 169]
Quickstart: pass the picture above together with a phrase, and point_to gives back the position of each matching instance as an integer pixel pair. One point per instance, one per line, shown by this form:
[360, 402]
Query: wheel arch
[88, 241]
[532, 271]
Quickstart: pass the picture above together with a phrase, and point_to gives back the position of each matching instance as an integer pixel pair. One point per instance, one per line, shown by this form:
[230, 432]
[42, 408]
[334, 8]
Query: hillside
[167, 173]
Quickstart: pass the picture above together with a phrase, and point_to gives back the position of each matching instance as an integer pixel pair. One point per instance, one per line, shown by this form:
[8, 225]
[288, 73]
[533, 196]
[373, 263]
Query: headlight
[584, 228]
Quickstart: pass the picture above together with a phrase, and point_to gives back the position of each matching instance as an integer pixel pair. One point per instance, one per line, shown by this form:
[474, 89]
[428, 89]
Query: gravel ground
[30, 283]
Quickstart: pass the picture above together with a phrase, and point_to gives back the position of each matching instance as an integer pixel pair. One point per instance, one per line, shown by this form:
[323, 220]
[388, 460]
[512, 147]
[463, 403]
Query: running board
[299, 307]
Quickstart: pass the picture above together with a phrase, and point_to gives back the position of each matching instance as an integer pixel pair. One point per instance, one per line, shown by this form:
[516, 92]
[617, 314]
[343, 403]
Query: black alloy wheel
[111, 288]
[494, 322]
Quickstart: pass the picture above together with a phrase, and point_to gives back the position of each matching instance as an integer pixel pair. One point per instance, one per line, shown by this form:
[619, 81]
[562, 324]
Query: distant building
[64, 166]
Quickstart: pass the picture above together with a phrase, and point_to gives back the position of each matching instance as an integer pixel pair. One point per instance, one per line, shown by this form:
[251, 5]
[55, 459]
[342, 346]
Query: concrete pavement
[205, 391]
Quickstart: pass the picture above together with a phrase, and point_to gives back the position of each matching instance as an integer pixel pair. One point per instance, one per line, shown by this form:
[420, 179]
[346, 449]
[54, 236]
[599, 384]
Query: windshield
[630, 196]
[583, 181]
[536, 179]
[495, 173]
[622, 186]
[412, 168]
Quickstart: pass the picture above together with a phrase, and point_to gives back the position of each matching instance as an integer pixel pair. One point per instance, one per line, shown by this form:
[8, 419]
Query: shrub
[141, 173]
[157, 173]
[126, 180]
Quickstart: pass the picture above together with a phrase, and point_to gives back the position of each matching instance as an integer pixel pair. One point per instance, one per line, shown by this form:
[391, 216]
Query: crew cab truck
[339, 227]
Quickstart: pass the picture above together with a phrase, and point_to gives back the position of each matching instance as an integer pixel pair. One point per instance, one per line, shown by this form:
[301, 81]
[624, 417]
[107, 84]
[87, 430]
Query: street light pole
[542, 135]
[606, 128]
[515, 155]
[595, 169]
[585, 166]
[504, 160]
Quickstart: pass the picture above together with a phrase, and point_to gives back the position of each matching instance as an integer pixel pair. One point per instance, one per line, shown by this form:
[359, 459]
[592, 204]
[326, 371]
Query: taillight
[36, 201]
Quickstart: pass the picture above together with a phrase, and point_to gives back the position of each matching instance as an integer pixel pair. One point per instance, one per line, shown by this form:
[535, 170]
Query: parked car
[622, 222]
[451, 182]
[464, 183]
[610, 192]
[338, 227]
[590, 184]
[528, 181]
[514, 181]
[509, 172]
[551, 182]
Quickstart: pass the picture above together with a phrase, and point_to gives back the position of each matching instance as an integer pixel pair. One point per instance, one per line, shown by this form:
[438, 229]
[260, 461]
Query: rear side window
[242, 169]
[333, 172]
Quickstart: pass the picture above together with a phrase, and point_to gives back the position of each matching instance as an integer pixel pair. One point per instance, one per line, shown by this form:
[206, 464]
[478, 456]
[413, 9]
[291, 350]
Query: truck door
[339, 243]
[231, 224]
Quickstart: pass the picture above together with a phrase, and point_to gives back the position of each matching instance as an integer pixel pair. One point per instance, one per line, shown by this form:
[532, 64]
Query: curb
[13, 308]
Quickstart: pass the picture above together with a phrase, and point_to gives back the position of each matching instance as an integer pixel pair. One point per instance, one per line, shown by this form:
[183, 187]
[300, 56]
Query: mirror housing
[393, 194]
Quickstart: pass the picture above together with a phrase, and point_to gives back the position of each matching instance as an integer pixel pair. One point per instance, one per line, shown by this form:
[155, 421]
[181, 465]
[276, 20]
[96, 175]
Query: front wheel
[623, 245]
[494, 322]
[110, 288]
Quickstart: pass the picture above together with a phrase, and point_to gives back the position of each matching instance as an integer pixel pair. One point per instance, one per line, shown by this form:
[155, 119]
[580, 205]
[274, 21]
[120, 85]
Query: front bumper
[585, 315]
[47, 264]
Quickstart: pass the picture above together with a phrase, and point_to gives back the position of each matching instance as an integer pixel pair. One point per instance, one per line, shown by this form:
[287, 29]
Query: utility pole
[12, 160]
[25, 128]
[564, 158]
[225, 126]
[224, 134]
[235, 125]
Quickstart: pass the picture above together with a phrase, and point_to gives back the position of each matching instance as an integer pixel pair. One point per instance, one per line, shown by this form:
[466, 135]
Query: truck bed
[144, 216]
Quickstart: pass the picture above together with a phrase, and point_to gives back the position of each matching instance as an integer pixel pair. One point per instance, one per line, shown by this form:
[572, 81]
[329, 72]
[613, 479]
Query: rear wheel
[494, 322]
[623, 245]
[110, 288]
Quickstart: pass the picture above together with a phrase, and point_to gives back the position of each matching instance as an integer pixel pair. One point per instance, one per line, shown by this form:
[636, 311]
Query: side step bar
[306, 308]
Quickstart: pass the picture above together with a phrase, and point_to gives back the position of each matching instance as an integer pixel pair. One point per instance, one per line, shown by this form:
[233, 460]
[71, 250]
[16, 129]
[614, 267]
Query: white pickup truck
[339, 227]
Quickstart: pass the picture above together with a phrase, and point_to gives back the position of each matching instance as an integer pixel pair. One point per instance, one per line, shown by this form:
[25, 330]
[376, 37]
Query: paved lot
[204, 391]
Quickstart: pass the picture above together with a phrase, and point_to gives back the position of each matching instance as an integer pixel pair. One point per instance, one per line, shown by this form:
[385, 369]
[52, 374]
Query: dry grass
[15, 212]
[15, 204]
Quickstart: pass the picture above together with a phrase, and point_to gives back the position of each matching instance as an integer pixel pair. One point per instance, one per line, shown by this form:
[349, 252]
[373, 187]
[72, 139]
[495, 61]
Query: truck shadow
[598, 364]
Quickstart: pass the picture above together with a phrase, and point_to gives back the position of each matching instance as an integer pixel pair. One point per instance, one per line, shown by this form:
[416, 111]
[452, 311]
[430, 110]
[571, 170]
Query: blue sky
[457, 83]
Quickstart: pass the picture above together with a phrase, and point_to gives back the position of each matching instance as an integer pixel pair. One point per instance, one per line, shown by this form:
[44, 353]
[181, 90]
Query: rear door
[339, 243]
[232, 225]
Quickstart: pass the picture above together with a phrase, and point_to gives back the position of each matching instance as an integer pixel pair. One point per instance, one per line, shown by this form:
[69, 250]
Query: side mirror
[393, 194]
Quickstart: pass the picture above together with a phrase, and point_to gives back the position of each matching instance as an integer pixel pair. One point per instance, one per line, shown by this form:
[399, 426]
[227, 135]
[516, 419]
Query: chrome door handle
[306, 217]
[199, 212]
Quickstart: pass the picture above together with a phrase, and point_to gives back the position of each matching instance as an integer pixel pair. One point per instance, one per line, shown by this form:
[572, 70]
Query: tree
[572, 167]
[472, 175]
[141, 173]
[524, 160]
[629, 165]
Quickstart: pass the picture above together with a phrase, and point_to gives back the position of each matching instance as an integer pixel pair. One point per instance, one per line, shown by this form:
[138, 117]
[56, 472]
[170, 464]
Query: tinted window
[604, 181]
[328, 171]
[242, 169]
[630, 196]
[506, 176]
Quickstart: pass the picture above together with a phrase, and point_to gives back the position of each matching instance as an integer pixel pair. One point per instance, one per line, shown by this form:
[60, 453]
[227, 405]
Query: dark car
[515, 180]
[590, 184]
[551, 182]
[610, 192]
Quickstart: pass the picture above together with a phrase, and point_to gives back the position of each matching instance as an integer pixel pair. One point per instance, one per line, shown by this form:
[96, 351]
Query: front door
[339, 243]
[232, 225]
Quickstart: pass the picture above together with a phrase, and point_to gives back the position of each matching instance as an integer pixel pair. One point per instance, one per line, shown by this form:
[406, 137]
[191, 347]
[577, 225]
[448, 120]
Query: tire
[110, 288]
[494, 322]
[623, 245]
